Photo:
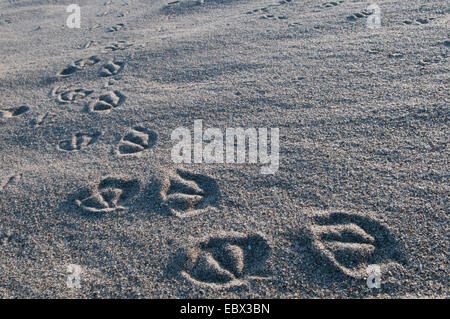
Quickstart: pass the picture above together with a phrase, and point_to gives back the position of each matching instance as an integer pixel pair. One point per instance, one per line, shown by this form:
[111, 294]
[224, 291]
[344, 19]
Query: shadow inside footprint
[13, 112]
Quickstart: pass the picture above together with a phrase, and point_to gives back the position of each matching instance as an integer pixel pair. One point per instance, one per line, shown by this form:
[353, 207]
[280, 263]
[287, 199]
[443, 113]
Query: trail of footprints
[223, 259]
[134, 142]
[347, 241]
[432, 60]
[117, 46]
[418, 21]
[103, 102]
[359, 15]
[265, 13]
[182, 193]
[350, 242]
[110, 68]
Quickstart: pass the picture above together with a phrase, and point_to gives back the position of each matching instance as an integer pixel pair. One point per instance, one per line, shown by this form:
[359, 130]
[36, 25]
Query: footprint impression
[117, 46]
[78, 65]
[110, 195]
[331, 4]
[419, 21]
[136, 141]
[79, 141]
[350, 242]
[225, 259]
[186, 194]
[265, 11]
[116, 27]
[111, 68]
[64, 94]
[8, 180]
[106, 102]
[359, 15]
[13, 112]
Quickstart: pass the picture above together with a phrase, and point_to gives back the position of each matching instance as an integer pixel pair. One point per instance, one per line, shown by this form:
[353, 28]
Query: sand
[87, 178]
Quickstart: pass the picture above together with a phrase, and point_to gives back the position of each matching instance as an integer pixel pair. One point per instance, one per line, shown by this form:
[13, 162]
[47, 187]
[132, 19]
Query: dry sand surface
[87, 178]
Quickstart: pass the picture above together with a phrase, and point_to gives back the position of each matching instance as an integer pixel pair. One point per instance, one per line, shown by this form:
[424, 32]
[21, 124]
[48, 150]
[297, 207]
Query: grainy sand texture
[92, 204]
